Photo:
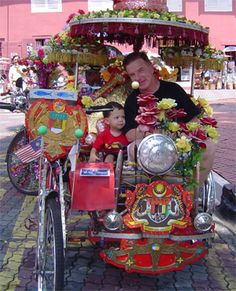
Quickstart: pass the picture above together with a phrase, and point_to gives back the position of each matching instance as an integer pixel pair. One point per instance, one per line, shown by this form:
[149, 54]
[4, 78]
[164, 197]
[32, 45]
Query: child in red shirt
[112, 138]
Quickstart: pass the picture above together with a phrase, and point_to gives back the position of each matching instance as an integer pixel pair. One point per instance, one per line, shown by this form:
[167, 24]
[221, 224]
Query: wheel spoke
[51, 271]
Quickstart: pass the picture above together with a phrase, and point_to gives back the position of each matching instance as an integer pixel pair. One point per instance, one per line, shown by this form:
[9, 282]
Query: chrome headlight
[113, 220]
[203, 221]
[157, 154]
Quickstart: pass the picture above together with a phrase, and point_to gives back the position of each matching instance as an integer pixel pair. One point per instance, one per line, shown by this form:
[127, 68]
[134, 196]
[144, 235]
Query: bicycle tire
[23, 177]
[51, 266]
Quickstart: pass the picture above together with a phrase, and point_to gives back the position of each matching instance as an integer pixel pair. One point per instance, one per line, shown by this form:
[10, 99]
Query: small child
[111, 139]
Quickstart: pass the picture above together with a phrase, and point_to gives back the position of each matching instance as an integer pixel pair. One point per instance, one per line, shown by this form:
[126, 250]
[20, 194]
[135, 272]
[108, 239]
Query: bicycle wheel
[24, 177]
[51, 263]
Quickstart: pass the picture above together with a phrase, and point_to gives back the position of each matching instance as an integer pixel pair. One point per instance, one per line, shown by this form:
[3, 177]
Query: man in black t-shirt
[141, 70]
[166, 90]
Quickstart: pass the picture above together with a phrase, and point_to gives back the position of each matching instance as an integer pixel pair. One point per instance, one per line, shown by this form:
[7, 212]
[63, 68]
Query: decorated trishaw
[149, 216]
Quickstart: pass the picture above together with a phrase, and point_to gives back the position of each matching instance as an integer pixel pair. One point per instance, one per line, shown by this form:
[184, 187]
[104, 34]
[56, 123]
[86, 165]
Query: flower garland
[207, 57]
[39, 60]
[189, 137]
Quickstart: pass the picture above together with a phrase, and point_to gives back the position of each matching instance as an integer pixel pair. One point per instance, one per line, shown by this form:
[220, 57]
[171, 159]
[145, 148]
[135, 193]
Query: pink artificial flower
[145, 120]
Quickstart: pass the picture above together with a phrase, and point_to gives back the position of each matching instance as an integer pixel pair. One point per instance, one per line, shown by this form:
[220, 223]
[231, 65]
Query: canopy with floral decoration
[138, 25]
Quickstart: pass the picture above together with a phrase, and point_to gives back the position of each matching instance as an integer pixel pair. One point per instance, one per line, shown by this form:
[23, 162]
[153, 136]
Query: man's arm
[134, 134]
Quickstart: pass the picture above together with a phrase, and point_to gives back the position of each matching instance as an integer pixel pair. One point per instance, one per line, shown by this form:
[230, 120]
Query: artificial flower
[208, 109]
[192, 125]
[166, 103]
[202, 102]
[80, 11]
[162, 115]
[183, 144]
[41, 53]
[71, 16]
[173, 126]
[87, 101]
[212, 132]
[208, 121]
[174, 113]
[194, 100]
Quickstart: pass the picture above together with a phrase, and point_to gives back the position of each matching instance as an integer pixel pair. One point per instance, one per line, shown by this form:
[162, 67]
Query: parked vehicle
[144, 218]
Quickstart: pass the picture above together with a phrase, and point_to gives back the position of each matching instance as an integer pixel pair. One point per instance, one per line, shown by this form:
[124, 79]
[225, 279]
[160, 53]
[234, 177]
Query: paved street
[85, 270]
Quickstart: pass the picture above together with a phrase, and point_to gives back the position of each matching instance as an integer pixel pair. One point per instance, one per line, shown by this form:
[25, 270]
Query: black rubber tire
[23, 177]
[51, 269]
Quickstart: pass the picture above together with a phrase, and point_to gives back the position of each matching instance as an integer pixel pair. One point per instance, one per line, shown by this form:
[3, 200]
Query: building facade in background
[28, 24]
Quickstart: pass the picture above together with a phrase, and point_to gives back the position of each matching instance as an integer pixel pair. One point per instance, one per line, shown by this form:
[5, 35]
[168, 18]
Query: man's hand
[136, 133]
[93, 156]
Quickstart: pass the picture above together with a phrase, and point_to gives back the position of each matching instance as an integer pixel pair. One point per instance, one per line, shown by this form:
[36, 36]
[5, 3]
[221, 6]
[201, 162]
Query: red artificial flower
[41, 53]
[199, 134]
[37, 62]
[70, 17]
[173, 113]
[80, 11]
[202, 145]
[209, 121]
[183, 127]
[58, 41]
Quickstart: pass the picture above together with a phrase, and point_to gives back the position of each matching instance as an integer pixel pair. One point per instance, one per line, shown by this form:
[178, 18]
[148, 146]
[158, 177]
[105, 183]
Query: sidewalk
[224, 106]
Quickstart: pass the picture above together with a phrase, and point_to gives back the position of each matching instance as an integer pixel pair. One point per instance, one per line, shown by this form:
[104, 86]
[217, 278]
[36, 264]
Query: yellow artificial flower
[202, 101]
[205, 105]
[208, 109]
[183, 144]
[212, 132]
[195, 101]
[192, 126]
[162, 116]
[87, 101]
[173, 126]
[166, 103]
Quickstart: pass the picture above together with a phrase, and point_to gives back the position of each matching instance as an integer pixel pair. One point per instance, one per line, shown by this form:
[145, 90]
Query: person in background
[112, 138]
[14, 72]
[23, 82]
[141, 70]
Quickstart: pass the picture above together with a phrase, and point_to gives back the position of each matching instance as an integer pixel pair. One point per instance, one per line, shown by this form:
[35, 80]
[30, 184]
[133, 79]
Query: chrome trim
[135, 236]
[211, 193]
[118, 173]
[139, 21]
[62, 205]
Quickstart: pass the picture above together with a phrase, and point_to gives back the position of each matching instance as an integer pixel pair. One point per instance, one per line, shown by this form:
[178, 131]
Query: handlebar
[94, 109]
[8, 106]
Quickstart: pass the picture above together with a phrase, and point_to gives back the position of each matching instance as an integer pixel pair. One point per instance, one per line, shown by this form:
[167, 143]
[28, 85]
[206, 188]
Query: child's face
[116, 119]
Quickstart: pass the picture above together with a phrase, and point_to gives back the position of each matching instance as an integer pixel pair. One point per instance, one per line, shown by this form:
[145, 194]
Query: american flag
[30, 151]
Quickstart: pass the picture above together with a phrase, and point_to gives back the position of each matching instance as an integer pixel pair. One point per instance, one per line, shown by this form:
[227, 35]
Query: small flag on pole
[73, 155]
[31, 151]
